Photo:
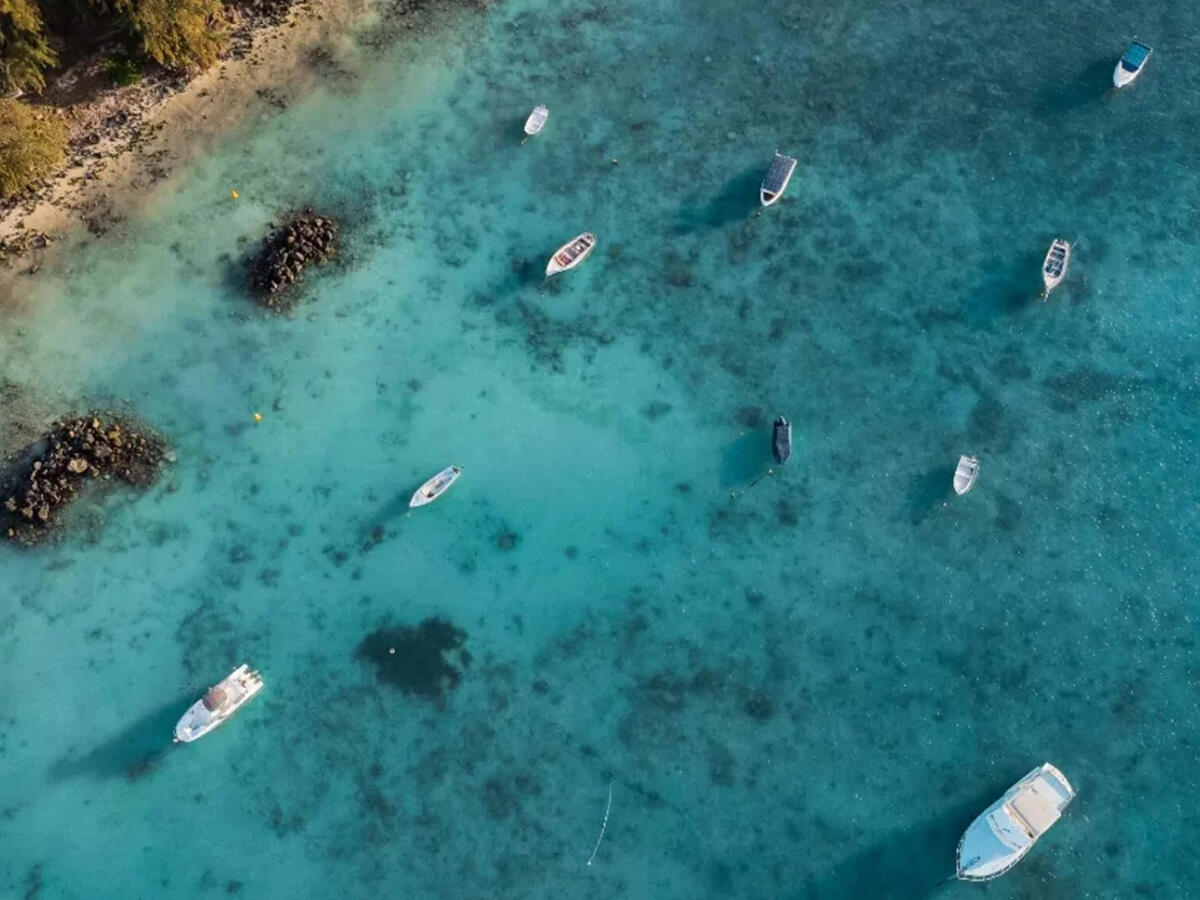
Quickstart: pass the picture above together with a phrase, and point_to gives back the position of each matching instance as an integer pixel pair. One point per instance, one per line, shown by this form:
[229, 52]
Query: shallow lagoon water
[801, 687]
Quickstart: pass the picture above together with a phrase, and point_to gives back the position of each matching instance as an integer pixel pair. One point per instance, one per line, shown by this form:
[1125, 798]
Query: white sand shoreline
[136, 136]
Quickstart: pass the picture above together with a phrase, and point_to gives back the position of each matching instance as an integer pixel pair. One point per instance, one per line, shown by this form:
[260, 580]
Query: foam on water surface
[802, 687]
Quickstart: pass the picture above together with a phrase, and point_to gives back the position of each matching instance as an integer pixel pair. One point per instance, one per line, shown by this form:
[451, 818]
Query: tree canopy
[24, 51]
[183, 34]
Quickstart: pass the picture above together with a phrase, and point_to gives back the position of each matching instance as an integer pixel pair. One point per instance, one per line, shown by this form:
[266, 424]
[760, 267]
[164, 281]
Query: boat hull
[1137, 56]
[537, 120]
[1054, 271]
[966, 474]
[434, 488]
[781, 440]
[241, 685]
[561, 261]
[777, 179]
[982, 854]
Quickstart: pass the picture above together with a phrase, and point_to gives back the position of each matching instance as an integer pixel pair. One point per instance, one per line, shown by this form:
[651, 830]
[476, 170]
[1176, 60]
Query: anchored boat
[777, 178]
[219, 702]
[435, 487]
[1054, 267]
[781, 440]
[1004, 832]
[1131, 64]
[965, 474]
[571, 254]
[537, 119]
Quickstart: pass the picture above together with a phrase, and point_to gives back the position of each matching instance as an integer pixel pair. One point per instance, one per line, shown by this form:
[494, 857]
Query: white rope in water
[603, 826]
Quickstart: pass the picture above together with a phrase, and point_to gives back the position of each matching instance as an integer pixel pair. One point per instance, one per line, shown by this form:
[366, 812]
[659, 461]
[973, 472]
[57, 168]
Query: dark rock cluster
[76, 451]
[305, 238]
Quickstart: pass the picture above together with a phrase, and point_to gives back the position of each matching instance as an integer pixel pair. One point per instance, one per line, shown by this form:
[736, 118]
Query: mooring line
[603, 826]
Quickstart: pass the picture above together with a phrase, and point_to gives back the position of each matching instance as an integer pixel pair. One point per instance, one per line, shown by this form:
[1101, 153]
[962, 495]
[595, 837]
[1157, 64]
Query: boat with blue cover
[777, 178]
[1131, 64]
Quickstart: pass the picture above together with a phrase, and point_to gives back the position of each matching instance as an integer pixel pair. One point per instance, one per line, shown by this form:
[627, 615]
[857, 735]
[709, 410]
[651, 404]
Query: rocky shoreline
[304, 239]
[51, 472]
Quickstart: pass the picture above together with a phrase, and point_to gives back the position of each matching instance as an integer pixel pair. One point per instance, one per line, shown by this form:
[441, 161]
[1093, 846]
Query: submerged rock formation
[49, 474]
[305, 238]
[413, 658]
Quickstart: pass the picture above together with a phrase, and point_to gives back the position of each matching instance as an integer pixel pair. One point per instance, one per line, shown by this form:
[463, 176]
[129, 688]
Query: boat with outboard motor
[219, 702]
[965, 474]
[1131, 64]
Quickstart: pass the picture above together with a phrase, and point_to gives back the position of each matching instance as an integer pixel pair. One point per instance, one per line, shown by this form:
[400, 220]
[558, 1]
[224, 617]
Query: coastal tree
[32, 145]
[183, 34]
[24, 50]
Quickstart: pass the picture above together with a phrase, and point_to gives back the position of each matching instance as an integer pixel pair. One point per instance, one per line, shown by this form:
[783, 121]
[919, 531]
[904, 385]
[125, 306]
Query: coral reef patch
[302, 239]
[50, 472]
[414, 659]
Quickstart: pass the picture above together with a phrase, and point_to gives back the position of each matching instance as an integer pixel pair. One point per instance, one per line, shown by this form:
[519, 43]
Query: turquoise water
[804, 686]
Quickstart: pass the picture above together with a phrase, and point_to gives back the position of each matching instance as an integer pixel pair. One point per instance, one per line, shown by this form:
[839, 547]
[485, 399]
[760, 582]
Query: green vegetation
[122, 71]
[24, 51]
[32, 145]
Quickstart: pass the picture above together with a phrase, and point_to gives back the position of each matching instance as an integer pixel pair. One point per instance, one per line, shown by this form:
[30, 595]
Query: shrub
[122, 71]
[32, 145]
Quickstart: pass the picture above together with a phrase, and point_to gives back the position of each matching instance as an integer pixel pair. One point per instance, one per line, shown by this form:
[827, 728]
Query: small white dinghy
[1054, 267]
[571, 254]
[219, 702]
[965, 474]
[537, 120]
[1004, 832]
[777, 178]
[1131, 64]
[435, 487]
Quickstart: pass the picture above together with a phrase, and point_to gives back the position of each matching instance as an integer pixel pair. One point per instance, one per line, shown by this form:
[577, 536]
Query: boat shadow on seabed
[737, 199]
[133, 753]
[913, 863]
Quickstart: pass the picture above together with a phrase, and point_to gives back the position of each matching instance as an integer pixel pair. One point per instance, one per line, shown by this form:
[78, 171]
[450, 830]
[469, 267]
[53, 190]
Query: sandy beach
[126, 140]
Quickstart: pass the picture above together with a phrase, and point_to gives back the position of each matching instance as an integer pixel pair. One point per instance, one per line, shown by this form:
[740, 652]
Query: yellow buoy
[258, 417]
[233, 194]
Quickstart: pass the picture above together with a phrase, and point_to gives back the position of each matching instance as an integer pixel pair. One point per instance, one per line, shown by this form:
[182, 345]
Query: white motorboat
[571, 254]
[1054, 267]
[965, 474]
[219, 702]
[777, 178]
[1004, 832]
[1131, 64]
[537, 119]
[435, 487]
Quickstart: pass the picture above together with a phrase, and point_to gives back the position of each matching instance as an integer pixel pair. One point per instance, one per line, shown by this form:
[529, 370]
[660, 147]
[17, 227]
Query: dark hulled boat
[781, 440]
